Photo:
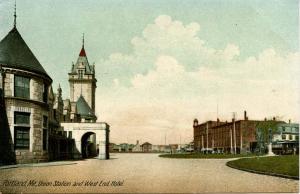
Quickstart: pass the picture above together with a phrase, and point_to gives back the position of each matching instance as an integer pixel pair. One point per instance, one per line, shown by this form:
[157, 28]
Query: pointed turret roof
[82, 53]
[84, 109]
[15, 53]
[82, 61]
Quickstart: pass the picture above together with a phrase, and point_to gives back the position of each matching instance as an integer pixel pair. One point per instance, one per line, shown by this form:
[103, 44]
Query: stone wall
[36, 89]
[37, 109]
[84, 88]
[35, 153]
[8, 84]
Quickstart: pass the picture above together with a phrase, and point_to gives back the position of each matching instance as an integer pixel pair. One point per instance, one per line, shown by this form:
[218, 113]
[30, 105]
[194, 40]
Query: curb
[236, 158]
[37, 165]
[263, 173]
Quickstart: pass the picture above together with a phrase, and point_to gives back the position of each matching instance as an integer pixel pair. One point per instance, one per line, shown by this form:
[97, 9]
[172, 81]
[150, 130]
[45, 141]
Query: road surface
[141, 173]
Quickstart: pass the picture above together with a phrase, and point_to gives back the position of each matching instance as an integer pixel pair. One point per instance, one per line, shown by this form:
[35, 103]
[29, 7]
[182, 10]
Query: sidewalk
[43, 164]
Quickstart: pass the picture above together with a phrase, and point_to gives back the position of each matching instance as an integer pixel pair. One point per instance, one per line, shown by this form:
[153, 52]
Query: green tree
[265, 126]
[264, 133]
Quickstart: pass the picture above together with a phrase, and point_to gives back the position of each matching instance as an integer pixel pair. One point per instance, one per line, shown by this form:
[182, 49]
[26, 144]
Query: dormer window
[80, 73]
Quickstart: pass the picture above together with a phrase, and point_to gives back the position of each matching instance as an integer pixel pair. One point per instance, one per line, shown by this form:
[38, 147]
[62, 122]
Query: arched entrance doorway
[88, 145]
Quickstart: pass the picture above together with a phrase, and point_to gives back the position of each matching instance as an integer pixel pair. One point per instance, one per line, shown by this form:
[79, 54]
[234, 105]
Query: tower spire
[82, 52]
[82, 40]
[15, 14]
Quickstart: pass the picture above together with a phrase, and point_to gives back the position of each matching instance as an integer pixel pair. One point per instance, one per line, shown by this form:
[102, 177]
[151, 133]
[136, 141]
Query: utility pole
[213, 142]
[180, 139]
[217, 109]
[206, 136]
[231, 150]
[241, 140]
[202, 142]
[234, 133]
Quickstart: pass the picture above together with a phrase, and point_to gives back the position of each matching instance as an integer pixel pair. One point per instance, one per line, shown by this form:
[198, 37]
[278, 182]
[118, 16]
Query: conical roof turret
[15, 53]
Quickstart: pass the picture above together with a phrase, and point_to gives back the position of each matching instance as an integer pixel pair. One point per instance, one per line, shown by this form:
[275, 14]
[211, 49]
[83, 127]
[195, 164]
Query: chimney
[289, 121]
[137, 142]
[265, 119]
[218, 120]
[274, 119]
[195, 122]
[245, 116]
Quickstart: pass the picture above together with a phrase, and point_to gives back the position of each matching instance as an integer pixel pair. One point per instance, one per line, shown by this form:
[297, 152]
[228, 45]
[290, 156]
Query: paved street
[142, 173]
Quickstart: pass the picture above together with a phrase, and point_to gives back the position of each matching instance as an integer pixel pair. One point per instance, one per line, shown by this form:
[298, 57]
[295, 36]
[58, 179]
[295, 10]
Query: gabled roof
[146, 143]
[82, 62]
[15, 53]
[84, 109]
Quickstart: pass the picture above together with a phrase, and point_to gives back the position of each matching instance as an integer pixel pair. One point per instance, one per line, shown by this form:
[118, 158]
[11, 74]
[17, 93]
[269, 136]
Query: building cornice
[43, 104]
[26, 73]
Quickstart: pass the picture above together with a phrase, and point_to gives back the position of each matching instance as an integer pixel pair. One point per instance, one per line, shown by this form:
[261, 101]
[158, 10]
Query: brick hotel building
[228, 137]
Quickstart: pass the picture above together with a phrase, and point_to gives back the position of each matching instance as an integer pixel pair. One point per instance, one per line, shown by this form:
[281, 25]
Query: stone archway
[80, 132]
[88, 145]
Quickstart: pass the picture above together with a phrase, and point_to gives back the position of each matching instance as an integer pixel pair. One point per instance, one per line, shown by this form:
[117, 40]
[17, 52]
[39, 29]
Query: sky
[160, 64]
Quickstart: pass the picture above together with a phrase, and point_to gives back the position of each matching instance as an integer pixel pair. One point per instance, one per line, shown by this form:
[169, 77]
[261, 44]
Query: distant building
[137, 147]
[217, 136]
[173, 148]
[156, 148]
[161, 148]
[112, 147]
[147, 147]
[125, 147]
[286, 138]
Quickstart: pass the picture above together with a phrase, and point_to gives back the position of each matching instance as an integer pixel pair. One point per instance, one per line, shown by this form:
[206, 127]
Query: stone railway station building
[36, 124]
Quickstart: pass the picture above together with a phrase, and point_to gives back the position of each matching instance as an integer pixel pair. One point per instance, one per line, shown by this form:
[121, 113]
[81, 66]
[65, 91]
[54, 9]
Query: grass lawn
[284, 165]
[205, 156]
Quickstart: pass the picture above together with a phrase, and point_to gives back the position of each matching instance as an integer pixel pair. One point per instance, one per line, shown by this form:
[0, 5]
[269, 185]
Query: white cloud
[231, 51]
[172, 77]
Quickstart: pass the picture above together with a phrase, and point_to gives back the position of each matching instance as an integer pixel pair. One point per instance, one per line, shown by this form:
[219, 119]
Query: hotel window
[80, 74]
[45, 131]
[284, 137]
[22, 128]
[21, 88]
